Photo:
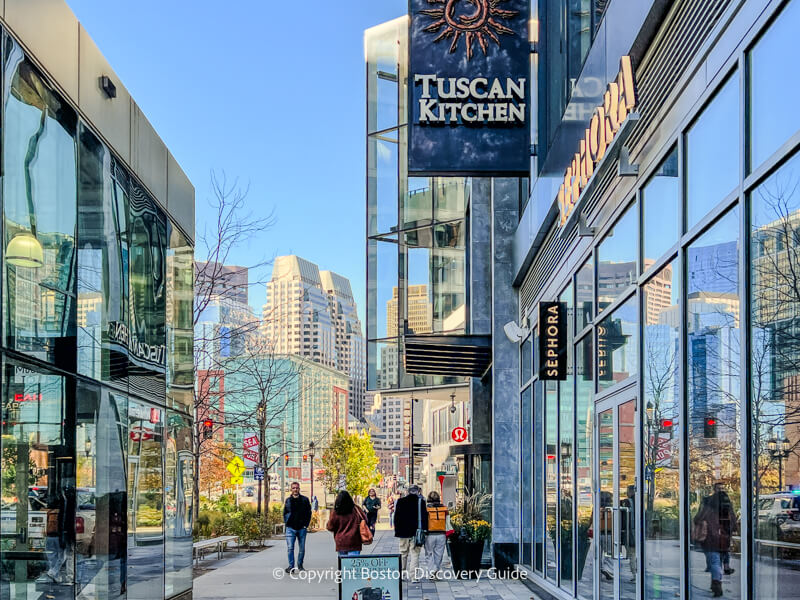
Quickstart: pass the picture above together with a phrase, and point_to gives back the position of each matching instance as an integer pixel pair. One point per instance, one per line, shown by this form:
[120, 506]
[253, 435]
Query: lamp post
[779, 450]
[311, 456]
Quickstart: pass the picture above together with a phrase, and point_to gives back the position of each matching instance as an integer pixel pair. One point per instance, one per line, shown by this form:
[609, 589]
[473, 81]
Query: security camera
[514, 332]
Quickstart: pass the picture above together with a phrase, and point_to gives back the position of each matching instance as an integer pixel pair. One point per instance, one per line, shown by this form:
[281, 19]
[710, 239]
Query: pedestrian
[371, 505]
[390, 506]
[314, 504]
[297, 518]
[410, 517]
[714, 526]
[435, 540]
[345, 524]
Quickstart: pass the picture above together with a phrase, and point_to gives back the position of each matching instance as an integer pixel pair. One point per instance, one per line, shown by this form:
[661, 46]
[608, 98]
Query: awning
[448, 355]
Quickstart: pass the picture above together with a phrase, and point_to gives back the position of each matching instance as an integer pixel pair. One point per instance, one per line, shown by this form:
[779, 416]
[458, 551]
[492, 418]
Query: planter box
[466, 558]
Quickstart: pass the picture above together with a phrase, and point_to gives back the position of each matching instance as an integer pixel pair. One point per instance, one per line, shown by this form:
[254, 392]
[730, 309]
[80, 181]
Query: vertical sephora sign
[469, 87]
[552, 341]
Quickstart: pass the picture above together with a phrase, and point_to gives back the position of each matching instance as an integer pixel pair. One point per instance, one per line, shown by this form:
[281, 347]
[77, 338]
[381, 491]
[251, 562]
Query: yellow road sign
[237, 480]
[236, 467]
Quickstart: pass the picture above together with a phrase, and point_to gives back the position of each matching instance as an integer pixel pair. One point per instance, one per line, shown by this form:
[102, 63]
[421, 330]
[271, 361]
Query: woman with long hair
[344, 523]
[371, 505]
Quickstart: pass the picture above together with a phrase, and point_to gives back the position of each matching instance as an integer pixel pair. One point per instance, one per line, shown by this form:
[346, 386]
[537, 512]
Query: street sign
[258, 474]
[305, 471]
[250, 450]
[237, 480]
[422, 446]
[236, 467]
[459, 434]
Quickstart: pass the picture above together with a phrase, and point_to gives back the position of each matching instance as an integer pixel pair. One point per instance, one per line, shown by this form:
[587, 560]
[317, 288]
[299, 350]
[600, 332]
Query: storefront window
[551, 479]
[103, 310]
[566, 454]
[584, 440]
[526, 435]
[37, 483]
[617, 345]
[145, 575]
[661, 210]
[100, 521]
[616, 258]
[538, 477]
[39, 203]
[662, 435]
[526, 360]
[178, 506]
[775, 364]
[584, 295]
[774, 84]
[714, 409]
[180, 318]
[712, 153]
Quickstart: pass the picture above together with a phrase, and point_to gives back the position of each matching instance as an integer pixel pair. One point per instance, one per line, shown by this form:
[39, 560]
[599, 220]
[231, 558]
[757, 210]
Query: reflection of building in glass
[419, 311]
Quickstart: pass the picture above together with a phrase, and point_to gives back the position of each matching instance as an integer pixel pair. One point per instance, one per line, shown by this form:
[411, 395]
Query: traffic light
[666, 426]
[286, 459]
[208, 428]
[305, 457]
[710, 428]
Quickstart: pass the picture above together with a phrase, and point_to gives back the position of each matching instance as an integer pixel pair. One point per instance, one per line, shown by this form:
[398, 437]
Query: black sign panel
[552, 341]
[469, 87]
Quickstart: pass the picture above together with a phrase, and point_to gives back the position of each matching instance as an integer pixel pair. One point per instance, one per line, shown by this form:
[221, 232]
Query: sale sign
[250, 450]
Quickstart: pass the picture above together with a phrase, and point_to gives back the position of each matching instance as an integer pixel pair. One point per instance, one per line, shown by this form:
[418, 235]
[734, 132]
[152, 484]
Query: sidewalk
[261, 575]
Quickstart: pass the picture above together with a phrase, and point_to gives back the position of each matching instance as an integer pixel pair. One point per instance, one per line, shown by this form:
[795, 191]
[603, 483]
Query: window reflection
[617, 345]
[39, 192]
[584, 440]
[180, 337]
[551, 480]
[661, 210]
[714, 406]
[526, 435]
[662, 438]
[382, 182]
[616, 258]
[178, 505]
[584, 295]
[775, 364]
[712, 153]
[538, 477]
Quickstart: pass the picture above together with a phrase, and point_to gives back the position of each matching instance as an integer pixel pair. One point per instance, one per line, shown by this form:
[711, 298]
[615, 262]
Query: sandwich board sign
[370, 577]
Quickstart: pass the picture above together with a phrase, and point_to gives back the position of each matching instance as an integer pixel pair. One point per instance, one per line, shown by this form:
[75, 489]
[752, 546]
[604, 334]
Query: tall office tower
[350, 346]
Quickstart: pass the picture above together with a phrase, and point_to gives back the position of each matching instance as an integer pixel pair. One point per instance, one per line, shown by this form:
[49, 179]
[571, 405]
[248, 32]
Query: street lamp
[311, 455]
[779, 450]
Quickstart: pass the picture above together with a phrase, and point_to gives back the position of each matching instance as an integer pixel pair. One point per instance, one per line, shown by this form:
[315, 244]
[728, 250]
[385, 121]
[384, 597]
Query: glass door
[617, 574]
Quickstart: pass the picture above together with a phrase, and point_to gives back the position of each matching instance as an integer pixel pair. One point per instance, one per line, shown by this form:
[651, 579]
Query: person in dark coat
[410, 514]
[716, 522]
[371, 505]
[297, 518]
[345, 523]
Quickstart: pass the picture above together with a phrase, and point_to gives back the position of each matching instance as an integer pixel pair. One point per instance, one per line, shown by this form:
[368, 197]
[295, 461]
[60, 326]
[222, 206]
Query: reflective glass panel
[551, 480]
[661, 210]
[178, 488]
[566, 454]
[616, 258]
[584, 295]
[103, 277]
[526, 360]
[100, 520]
[382, 291]
[383, 189]
[450, 198]
[714, 417]
[448, 278]
[773, 86]
[145, 579]
[662, 434]
[584, 440]
[775, 377]
[712, 153]
[39, 202]
[382, 47]
[419, 304]
[180, 317]
[617, 346]
[383, 367]
[37, 484]
[538, 477]
[526, 435]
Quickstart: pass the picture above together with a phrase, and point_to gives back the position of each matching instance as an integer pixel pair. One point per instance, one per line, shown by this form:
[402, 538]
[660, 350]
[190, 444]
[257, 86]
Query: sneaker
[301, 568]
[289, 569]
[730, 571]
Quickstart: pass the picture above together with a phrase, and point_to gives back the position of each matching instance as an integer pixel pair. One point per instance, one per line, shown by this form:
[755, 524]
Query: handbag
[363, 529]
[700, 531]
[419, 536]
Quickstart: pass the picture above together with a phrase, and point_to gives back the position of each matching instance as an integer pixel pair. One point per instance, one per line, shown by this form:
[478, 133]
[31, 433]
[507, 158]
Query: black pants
[372, 517]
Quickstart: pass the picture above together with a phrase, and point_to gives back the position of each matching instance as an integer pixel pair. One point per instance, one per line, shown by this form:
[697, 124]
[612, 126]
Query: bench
[217, 543]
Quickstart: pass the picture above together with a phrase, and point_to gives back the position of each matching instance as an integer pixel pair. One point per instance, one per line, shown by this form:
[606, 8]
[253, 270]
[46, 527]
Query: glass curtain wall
[96, 495]
[706, 324]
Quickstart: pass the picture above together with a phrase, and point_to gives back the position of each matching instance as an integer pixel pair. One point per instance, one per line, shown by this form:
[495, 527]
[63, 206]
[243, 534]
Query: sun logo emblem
[479, 25]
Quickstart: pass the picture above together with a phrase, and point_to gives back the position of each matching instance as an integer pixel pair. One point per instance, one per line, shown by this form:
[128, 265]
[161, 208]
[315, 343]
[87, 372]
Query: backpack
[437, 519]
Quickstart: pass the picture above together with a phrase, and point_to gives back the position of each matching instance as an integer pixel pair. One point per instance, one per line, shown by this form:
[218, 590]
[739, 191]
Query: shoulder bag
[363, 528]
[419, 536]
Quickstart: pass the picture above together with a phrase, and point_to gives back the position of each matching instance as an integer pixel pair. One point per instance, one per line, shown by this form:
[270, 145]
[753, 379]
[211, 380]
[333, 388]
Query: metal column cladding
[552, 341]
[469, 87]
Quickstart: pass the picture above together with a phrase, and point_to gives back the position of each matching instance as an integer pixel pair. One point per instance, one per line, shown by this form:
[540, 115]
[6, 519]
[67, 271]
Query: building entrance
[615, 524]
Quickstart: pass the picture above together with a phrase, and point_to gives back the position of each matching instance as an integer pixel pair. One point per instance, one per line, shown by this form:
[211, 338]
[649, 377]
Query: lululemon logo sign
[459, 434]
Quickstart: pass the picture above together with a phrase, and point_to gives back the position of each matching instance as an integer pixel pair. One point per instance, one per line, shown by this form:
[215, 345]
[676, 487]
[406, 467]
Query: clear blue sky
[270, 92]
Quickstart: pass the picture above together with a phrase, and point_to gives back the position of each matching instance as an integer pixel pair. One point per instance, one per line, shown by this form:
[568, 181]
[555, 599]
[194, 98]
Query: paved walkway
[261, 575]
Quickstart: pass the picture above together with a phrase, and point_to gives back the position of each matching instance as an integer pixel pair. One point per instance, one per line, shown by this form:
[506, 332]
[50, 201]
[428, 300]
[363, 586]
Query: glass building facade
[97, 365]
[669, 455]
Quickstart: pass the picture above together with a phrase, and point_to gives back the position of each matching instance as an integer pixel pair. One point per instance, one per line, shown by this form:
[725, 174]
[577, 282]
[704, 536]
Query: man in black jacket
[410, 514]
[297, 517]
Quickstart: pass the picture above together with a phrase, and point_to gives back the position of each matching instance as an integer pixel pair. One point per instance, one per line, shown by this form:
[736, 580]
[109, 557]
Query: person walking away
[371, 505]
[296, 517]
[344, 523]
[390, 506]
[435, 540]
[410, 514]
[714, 526]
[314, 504]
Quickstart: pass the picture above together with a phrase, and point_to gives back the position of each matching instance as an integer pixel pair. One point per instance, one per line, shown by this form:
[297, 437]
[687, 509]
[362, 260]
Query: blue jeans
[349, 552]
[300, 536]
[714, 560]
